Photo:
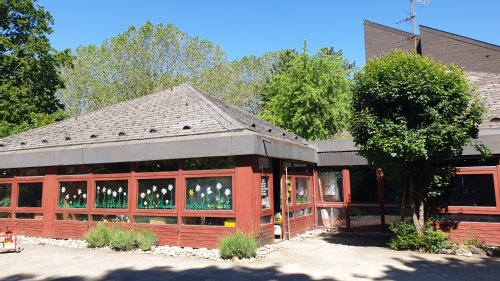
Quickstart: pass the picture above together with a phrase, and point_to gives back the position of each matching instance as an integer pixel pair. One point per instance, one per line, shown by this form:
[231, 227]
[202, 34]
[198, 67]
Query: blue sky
[253, 27]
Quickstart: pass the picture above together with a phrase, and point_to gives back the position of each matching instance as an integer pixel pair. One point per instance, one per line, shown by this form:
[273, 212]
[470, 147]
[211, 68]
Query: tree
[28, 68]
[310, 96]
[410, 116]
[152, 58]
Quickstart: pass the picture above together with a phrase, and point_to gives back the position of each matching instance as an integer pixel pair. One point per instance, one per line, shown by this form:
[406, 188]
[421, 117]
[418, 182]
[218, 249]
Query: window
[211, 163]
[73, 194]
[364, 186]
[30, 172]
[5, 193]
[289, 191]
[111, 194]
[230, 222]
[30, 195]
[74, 170]
[331, 187]
[156, 194]
[472, 190]
[302, 190]
[155, 220]
[112, 168]
[264, 192]
[209, 193]
[6, 173]
[157, 166]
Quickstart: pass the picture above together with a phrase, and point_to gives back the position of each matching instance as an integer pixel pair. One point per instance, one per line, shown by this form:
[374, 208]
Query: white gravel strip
[172, 251]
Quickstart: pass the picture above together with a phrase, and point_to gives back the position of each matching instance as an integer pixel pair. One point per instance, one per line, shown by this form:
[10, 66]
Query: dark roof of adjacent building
[488, 87]
[179, 116]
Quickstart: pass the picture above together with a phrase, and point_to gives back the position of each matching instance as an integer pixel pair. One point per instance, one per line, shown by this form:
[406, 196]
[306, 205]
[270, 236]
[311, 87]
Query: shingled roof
[178, 114]
[488, 87]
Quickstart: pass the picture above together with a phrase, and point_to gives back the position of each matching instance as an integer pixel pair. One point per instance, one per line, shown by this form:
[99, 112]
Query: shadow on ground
[357, 239]
[166, 274]
[447, 268]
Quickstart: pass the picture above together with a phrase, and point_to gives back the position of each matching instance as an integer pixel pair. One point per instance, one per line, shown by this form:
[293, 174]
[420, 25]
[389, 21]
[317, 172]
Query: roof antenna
[411, 18]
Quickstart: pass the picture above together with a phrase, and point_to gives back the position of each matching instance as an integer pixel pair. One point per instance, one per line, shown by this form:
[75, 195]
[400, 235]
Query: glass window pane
[30, 172]
[73, 194]
[156, 194]
[112, 168]
[229, 222]
[363, 185]
[264, 192]
[155, 220]
[209, 193]
[209, 163]
[157, 166]
[30, 194]
[29, 216]
[72, 217]
[5, 215]
[302, 190]
[472, 190]
[5, 193]
[331, 187]
[7, 173]
[74, 170]
[111, 218]
[289, 191]
[111, 194]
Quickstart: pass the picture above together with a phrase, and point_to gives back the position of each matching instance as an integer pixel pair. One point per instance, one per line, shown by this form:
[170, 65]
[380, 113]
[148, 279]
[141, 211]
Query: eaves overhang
[233, 143]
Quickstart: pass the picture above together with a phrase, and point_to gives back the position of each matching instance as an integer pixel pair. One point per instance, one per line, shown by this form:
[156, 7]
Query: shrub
[97, 237]
[473, 240]
[237, 245]
[121, 239]
[146, 239]
[434, 241]
[405, 237]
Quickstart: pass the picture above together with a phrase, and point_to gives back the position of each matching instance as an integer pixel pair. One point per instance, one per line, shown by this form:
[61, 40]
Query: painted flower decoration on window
[191, 192]
[227, 192]
[170, 187]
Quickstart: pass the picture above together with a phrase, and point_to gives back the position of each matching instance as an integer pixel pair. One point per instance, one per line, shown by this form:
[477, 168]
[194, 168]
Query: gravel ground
[171, 251]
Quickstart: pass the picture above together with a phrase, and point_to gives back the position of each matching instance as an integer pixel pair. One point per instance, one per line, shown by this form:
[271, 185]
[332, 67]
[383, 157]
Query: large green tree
[410, 116]
[310, 95]
[151, 58]
[28, 68]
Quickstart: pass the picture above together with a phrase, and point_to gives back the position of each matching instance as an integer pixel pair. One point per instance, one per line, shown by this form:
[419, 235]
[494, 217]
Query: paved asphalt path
[338, 257]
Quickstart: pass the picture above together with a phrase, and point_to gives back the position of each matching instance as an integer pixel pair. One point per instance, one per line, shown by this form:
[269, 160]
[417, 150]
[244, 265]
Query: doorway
[278, 227]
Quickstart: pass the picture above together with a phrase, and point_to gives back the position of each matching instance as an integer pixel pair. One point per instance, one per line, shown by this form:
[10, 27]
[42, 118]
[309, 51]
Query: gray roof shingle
[488, 87]
[179, 111]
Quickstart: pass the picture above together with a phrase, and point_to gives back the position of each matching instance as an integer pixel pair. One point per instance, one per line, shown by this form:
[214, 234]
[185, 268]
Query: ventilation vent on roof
[23, 143]
[2, 144]
[269, 130]
[296, 138]
[186, 104]
[284, 134]
[93, 137]
[121, 134]
[67, 138]
[186, 127]
[152, 131]
[496, 120]
[45, 141]
[488, 55]
[253, 125]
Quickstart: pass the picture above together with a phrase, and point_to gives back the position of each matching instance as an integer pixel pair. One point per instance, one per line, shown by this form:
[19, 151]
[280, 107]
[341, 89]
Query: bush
[121, 239]
[434, 241]
[146, 239]
[405, 237]
[97, 237]
[237, 245]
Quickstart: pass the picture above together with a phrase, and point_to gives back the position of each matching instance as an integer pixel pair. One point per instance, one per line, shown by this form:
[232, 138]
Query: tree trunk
[403, 198]
[415, 212]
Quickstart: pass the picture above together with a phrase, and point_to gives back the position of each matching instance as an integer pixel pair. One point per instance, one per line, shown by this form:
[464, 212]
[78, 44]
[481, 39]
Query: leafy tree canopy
[151, 58]
[410, 115]
[310, 96]
[28, 68]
